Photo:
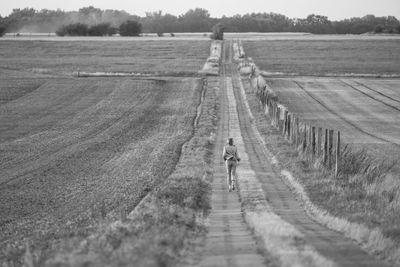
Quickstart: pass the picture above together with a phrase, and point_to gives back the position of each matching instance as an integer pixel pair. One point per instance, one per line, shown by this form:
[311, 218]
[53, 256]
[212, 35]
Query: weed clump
[187, 192]
[358, 163]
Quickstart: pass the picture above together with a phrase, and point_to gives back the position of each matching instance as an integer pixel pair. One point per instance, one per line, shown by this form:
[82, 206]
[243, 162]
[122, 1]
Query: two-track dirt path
[229, 241]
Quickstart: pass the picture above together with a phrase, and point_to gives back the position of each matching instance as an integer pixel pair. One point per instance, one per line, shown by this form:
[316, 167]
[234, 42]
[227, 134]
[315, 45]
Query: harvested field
[161, 57]
[77, 151]
[332, 56]
[362, 201]
[366, 111]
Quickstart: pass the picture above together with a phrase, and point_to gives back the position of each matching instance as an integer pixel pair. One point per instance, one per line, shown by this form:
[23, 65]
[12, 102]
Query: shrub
[130, 28]
[187, 192]
[378, 29]
[76, 29]
[2, 30]
[218, 32]
[101, 29]
[358, 162]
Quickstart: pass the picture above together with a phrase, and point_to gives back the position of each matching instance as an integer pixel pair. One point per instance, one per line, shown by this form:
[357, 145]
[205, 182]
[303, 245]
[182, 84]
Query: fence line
[315, 141]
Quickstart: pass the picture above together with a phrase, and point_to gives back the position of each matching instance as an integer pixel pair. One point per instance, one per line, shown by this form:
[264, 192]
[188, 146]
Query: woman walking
[231, 158]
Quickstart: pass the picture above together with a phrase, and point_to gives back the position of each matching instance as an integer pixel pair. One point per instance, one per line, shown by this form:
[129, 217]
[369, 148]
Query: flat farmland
[333, 56]
[366, 111]
[161, 57]
[314, 83]
[75, 151]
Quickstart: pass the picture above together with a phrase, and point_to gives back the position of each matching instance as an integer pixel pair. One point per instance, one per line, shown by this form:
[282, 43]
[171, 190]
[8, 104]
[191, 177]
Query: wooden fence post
[319, 141]
[305, 138]
[313, 141]
[337, 164]
[330, 148]
[292, 120]
[297, 133]
[285, 116]
[326, 147]
[278, 117]
[289, 128]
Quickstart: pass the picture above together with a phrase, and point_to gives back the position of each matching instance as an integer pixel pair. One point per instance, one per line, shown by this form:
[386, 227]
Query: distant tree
[218, 32]
[378, 29]
[101, 29]
[2, 30]
[90, 15]
[130, 28]
[75, 29]
[3, 27]
[196, 20]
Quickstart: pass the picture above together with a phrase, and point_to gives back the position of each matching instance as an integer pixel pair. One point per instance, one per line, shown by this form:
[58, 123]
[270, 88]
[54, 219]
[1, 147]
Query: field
[79, 153]
[352, 87]
[329, 56]
[365, 110]
[156, 57]
[116, 171]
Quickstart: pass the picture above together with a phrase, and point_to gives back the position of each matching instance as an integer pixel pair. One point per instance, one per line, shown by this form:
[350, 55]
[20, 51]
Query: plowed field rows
[74, 151]
[365, 110]
[330, 56]
[59, 58]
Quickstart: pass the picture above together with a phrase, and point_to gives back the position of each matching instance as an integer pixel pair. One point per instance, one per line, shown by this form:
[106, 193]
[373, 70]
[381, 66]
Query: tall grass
[359, 162]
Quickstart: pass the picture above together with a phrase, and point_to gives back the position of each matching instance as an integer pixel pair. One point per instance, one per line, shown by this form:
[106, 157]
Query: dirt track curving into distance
[229, 242]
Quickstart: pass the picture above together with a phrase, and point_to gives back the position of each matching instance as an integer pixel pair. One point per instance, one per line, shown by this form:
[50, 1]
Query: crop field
[318, 57]
[78, 151]
[161, 57]
[365, 110]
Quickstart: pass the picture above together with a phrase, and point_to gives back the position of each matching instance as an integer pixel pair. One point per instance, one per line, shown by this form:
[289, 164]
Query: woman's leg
[233, 175]
[228, 173]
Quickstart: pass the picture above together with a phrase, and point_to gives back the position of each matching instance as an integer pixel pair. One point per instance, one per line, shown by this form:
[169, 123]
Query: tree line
[194, 20]
[128, 28]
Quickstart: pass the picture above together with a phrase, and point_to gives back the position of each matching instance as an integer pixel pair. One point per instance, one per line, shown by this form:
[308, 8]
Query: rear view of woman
[231, 158]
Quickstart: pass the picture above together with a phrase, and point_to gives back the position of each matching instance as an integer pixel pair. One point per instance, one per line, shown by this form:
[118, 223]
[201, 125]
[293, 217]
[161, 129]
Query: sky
[334, 9]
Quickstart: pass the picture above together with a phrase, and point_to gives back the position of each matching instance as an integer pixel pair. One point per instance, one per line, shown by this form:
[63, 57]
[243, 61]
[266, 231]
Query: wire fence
[319, 143]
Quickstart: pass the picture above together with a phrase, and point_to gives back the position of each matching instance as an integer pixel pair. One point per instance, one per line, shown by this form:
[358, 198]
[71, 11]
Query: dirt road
[230, 242]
